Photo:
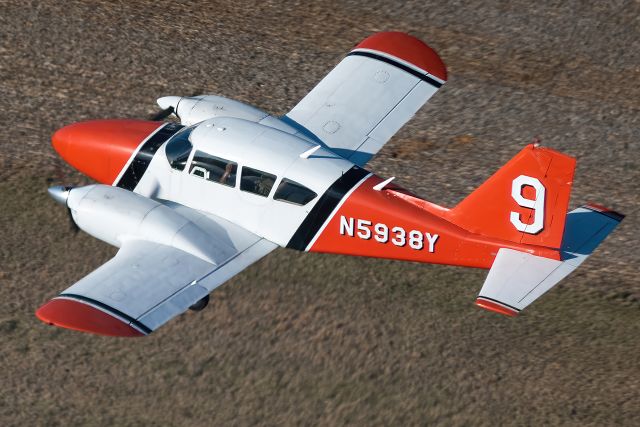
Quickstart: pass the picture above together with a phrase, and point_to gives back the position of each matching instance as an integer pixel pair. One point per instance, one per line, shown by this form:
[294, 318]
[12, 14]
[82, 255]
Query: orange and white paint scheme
[507, 211]
[190, 203]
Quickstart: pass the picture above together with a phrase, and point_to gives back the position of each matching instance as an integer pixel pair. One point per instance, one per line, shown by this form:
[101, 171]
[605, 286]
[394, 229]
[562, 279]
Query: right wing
[148, 283]
[370, 95]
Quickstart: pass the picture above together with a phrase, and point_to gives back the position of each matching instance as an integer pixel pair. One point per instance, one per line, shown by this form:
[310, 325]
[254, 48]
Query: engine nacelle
[195, 109]
[114, 215]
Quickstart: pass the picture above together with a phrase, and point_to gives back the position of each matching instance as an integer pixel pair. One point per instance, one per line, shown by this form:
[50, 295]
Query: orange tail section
[513, 224]
[525, 201]
[522, 207]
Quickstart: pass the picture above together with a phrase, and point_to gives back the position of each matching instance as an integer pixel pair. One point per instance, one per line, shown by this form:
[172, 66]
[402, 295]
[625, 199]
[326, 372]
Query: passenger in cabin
[263, 186]
[228, 170]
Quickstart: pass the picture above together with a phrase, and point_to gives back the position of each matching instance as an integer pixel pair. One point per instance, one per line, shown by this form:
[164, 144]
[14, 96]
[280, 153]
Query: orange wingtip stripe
[496, 307]
[79, 316]
[598, 207]
[605, 210]
[407, 48]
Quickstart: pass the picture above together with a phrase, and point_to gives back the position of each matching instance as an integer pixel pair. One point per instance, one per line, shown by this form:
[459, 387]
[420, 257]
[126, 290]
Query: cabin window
[256, 182]
[214, 169]
[178, 149]
[292, 192]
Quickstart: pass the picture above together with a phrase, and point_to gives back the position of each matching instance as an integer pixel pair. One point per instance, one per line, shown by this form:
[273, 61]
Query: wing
[146, 283]
[370, 95]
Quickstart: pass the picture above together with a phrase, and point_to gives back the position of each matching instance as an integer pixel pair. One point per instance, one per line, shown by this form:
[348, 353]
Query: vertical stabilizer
[525, 201]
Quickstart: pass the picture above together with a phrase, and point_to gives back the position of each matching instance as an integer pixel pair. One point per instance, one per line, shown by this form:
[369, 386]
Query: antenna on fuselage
[379, 187]
[309, 152]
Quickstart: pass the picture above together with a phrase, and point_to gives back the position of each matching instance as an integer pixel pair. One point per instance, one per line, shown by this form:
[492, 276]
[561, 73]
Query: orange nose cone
[101, 148]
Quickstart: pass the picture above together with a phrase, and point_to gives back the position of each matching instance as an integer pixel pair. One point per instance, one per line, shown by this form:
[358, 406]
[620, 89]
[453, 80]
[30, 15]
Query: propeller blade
[162, 114]
[74, 226]
[169, 104]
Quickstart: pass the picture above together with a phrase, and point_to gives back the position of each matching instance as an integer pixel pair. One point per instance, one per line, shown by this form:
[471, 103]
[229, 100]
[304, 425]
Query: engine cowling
[194, 109]
[114, 215]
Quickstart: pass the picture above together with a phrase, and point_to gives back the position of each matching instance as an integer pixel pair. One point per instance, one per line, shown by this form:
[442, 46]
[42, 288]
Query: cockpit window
[214, 169]
[178, 149]
[256, 182]
[292, 192]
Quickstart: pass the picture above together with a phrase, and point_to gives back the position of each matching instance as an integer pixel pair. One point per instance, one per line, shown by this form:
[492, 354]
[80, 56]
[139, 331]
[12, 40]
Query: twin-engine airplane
[192, 204]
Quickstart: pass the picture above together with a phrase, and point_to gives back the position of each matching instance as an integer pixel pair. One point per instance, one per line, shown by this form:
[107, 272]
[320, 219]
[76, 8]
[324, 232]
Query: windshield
[178, 149]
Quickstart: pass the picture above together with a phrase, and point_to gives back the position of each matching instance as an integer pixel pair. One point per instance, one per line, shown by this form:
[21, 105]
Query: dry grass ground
[314, 339]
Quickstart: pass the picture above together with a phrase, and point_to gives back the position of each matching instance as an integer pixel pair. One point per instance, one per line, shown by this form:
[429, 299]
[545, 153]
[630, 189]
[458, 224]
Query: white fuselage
[263, 143]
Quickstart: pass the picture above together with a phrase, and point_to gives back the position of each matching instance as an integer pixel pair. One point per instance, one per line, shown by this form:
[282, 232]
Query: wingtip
[605, 211]
[80, 316]
[496, 307]
[409, 49]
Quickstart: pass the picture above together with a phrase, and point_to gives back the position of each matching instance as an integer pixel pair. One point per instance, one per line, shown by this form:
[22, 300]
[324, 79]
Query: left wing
[148, 283]
[370, 95]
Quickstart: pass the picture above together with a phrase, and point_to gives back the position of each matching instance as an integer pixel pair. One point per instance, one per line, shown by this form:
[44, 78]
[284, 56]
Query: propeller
[74, 226]
[60, 194]
[162, 114]
[169, 105]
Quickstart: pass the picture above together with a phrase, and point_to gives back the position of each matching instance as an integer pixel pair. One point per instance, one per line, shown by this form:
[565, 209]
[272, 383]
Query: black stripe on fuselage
[397, 64]
[140, 163]
[325, 206]
[109, 309]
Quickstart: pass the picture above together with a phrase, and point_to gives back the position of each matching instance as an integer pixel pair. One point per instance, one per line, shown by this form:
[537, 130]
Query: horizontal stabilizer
[516, 279]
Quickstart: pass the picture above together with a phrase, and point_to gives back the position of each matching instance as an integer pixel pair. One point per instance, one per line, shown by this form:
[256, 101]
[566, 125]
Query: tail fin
[525, 201]
[517, 278]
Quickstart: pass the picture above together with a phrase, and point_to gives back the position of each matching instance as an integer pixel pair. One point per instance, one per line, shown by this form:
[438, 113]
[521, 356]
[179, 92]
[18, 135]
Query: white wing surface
[147, 283]
[370, 95]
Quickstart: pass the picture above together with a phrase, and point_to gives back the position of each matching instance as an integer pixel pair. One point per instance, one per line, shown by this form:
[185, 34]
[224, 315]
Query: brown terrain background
[319, 339]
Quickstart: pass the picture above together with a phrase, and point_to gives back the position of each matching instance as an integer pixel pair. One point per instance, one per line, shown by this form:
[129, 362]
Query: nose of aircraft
[101, 148]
